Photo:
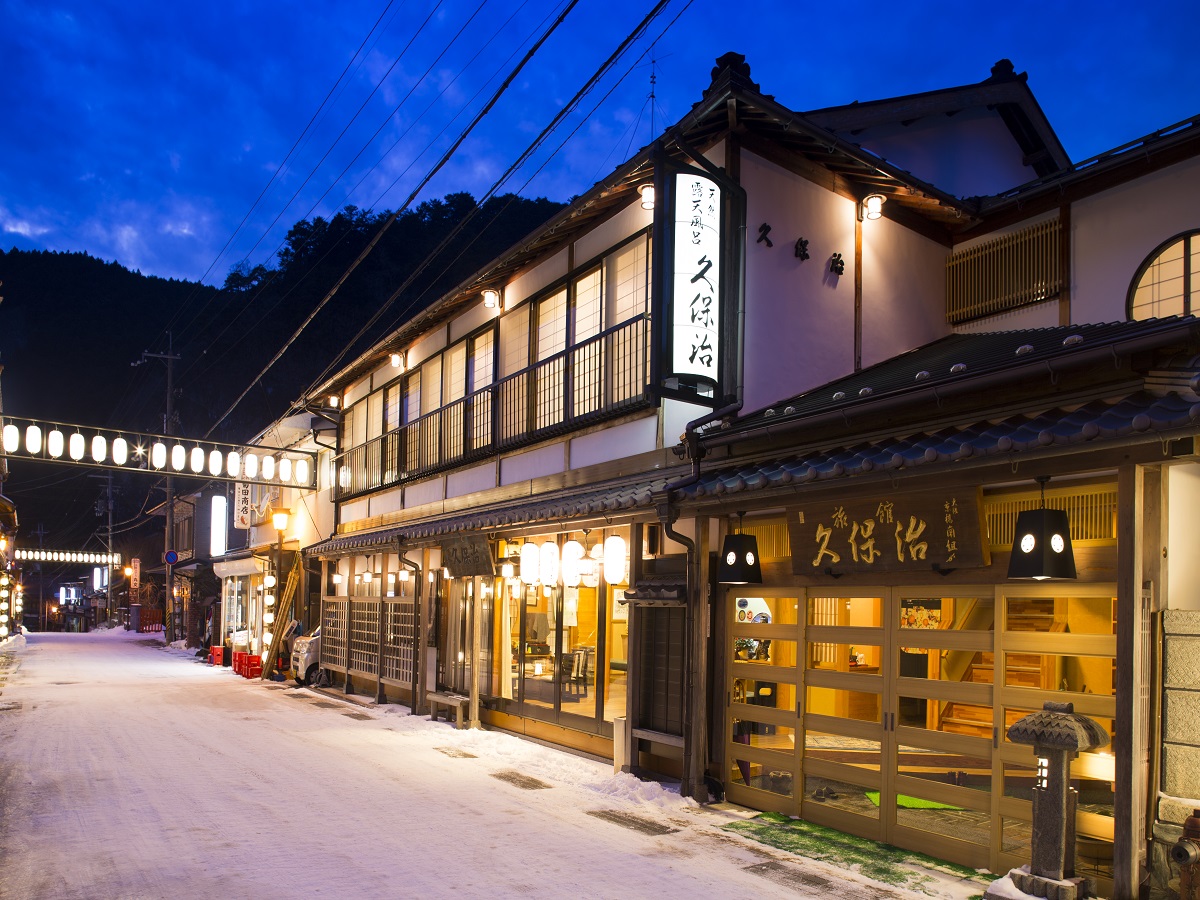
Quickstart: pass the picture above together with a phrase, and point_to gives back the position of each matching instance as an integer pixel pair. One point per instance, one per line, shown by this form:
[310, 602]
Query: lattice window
[1092, 512]
[333, 633]
[399, 641]
[1016, 270]
[364, 636]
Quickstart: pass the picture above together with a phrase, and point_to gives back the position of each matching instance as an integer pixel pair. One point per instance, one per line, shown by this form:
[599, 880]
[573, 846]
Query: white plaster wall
[433, 342]
[467, 481]
[675, 416]
[1041, 315]
[356, 392]
[968, 155]
[799, 316]
[387, 502]
[355, 510]
[431, 491]
[530, 282]
[473, 318]
[1183, 536]
[1112, 233]
[904, 294]
[630, 220]
[549, 460]
[615, 442]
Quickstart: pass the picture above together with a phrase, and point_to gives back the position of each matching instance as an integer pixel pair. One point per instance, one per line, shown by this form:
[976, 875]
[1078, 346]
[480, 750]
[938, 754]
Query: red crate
[216, 656]
[252, 668]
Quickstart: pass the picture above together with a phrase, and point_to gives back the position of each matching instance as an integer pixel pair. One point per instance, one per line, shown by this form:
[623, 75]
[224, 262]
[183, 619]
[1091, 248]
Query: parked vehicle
[306, 658]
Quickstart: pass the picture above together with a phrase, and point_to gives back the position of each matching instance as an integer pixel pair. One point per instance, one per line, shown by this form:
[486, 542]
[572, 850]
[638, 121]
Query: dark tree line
[71, 325]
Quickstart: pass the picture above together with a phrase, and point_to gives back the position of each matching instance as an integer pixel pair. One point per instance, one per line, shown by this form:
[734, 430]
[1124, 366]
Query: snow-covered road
[131, 770]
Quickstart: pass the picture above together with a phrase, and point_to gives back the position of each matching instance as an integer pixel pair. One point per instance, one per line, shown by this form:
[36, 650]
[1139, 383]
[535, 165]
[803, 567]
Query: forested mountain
[72, 326]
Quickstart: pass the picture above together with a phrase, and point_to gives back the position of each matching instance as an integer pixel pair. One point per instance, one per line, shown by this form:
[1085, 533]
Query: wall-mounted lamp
[647, 194]
[334, 401]
[1042, 544]
[871, 207]
[739, 558]
[491, 299]
[397, 360]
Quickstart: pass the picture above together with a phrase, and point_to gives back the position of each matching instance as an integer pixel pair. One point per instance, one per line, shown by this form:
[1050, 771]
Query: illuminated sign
[696, 280]
[101, 448]
[69, 556]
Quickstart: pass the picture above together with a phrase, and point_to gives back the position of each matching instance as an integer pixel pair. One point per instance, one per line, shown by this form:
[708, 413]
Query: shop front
[870, 682]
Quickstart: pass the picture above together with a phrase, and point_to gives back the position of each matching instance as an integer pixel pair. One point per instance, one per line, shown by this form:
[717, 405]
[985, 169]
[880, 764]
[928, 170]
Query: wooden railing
[600, 378]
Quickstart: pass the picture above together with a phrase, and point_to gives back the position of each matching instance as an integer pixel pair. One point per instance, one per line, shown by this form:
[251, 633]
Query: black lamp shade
[1042, 546]
[739, 560]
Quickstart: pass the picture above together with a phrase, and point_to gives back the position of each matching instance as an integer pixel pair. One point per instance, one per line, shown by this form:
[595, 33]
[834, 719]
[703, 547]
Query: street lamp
[279, 519]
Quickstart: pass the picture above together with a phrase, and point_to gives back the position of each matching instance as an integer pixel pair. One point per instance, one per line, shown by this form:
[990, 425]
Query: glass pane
[1061, 615]
[581, 635]
[775, 780]
[946, 665]
[552, 325]
[1080, 674]
[946, 767]
[849, 751]
[971, 825]
[760, 734]
[953, 717]
[536, 652]
[861, 659]
[764, 610]
[587, 306]
[777, 695]
[627, 281]
[765, 652]
[618, 655]
[842, 795]
[860, 612]
[1019, 779]
[947, 614]
[1093, 857]
[843, 704]
[1016, 836]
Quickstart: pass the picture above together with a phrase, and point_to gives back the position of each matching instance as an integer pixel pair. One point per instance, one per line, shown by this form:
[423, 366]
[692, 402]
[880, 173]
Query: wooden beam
[1125, 862]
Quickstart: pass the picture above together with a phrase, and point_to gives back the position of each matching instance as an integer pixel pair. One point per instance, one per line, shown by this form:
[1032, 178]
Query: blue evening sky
[144, 132]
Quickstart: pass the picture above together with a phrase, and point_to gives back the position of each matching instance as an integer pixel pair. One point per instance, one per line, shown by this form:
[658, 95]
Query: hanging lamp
[739, 558]
[1042, 544]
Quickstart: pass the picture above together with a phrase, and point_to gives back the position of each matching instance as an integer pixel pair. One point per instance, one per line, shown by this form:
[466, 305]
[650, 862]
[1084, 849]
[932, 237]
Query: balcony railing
[597, 379]
[1005, 274]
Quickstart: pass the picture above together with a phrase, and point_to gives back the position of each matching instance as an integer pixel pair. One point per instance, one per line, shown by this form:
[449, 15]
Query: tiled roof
[661, 590]
[960, 357]
[1138, 415]
[616, 498]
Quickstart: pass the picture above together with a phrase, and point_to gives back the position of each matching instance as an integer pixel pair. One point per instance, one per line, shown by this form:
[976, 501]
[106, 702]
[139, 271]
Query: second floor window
[1167, 282]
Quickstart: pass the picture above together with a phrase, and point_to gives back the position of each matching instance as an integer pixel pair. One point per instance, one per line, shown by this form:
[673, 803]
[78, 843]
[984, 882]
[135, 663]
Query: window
[1164, 284]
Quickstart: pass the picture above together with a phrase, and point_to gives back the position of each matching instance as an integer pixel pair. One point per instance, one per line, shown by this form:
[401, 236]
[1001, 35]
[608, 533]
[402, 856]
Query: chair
[579, 672]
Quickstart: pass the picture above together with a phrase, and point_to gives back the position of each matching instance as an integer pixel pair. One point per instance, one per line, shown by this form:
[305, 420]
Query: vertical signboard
[241, 506]
[135, 579]
[696, 281]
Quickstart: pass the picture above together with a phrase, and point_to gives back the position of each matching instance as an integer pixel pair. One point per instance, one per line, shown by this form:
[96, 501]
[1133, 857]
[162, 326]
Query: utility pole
[104, 505]
[169, 509]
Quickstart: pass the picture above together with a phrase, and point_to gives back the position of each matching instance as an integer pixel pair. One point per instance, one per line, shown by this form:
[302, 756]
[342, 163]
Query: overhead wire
[265, 314]
[563, 113]
[392, 218]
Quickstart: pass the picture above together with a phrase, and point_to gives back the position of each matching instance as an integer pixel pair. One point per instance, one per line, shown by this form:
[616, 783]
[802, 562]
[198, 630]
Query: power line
[392, 218]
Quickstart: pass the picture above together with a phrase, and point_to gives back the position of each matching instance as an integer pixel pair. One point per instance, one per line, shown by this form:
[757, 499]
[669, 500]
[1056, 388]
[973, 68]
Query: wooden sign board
[468, 556]
[891, 532]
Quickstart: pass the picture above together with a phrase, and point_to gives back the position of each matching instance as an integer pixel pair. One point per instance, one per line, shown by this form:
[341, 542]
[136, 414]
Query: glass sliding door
[762, 744]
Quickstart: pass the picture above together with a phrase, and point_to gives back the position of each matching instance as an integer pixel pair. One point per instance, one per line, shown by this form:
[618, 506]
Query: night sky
[144, 132]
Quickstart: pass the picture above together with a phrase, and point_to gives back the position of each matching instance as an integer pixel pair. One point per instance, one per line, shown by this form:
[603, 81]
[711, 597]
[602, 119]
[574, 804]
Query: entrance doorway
[883, 711]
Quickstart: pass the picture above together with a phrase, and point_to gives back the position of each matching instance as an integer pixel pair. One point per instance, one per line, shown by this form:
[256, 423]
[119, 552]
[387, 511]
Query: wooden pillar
[1129, 515]
[699, 620]
[633, 668]
[478, 585]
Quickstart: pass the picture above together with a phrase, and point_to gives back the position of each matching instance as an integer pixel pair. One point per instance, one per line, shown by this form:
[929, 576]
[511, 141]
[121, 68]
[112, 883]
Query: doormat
[906, 802]
[872, 859]
[517, 779]
[636, 823]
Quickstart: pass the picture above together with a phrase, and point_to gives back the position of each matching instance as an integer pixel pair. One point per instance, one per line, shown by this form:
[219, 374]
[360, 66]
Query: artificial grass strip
[881, 862]
[906, 802]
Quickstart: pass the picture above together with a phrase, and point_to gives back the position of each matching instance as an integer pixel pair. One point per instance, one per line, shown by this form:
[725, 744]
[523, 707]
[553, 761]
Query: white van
[306, 658]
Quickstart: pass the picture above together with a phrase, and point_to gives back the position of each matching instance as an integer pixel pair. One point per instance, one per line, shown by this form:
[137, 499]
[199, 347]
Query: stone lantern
[1058, 734]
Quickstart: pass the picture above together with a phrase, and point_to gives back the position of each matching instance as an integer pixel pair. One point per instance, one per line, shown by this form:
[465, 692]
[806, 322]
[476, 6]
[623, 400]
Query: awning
[615, 498]
[229, 568]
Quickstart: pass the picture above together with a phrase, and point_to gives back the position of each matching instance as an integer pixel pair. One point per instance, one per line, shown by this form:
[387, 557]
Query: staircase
[1020, 670]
